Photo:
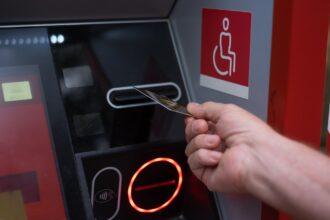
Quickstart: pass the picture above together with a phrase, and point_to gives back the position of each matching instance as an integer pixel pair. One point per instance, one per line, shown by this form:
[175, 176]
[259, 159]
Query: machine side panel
[186, 22]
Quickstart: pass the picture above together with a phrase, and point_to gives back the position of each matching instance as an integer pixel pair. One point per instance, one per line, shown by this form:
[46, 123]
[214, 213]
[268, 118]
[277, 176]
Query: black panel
[19, 11]
[96, 69]
[193, 201]
[95, 59]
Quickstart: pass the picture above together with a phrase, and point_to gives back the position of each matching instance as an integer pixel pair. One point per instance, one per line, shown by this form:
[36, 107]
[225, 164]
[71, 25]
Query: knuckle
[187, 134]
[200, 154]
[194, 126]
[187, 151]
[208, 104]
[198, 126]
[189, 148]
[190, 161]
[230, 106]
[186, 129]
[195, 144]
[199, 140]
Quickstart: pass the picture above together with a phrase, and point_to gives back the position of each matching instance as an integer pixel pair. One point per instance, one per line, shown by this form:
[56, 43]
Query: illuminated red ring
[164, 205]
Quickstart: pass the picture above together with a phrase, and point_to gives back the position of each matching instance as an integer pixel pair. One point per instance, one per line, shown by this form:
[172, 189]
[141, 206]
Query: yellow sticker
[16, 91]
[12, 206]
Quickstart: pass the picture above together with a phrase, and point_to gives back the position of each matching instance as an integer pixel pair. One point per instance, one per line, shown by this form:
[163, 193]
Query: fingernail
[211, 139]
[192, 105]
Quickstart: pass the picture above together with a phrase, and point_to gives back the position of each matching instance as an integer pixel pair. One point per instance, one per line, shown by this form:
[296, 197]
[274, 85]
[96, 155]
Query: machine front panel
[78, 142]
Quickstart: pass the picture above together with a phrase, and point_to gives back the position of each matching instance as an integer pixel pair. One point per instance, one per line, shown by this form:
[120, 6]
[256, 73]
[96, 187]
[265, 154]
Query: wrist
[265, 156]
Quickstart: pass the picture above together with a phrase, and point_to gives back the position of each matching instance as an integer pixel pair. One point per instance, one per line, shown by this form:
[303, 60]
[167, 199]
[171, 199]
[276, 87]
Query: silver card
[165, 102]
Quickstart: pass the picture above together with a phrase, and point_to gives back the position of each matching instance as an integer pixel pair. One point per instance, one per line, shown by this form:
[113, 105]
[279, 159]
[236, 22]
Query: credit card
[165, 102]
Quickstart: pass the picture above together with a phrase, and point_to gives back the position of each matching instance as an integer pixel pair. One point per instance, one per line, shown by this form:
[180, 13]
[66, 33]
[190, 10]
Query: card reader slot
[132, 96]
[126, 97]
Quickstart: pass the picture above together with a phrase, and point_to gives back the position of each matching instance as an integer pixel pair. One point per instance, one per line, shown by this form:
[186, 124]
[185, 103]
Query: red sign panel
[226, 51]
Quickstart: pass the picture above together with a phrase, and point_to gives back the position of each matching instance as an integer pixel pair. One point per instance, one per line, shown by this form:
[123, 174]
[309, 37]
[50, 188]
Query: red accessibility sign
[225, 59]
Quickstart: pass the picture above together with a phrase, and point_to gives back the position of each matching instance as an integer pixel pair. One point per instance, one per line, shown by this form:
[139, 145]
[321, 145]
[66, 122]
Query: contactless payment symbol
[226, 51]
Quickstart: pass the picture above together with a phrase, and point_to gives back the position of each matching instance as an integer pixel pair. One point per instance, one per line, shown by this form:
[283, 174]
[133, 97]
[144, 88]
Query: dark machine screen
[29, 185]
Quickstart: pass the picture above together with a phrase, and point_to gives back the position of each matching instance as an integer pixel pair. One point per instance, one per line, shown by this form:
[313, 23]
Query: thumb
[209, 111]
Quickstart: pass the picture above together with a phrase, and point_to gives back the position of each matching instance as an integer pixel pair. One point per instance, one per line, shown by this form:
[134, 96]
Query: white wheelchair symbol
[229, 55]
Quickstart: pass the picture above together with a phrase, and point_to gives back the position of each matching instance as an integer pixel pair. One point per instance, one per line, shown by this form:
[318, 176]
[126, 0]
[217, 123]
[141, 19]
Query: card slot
[128, 97]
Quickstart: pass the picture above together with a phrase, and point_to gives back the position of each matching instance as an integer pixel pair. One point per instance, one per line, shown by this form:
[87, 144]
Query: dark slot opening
[131, 96]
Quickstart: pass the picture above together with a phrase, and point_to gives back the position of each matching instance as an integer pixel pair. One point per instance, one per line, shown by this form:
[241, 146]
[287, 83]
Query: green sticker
[16, 91]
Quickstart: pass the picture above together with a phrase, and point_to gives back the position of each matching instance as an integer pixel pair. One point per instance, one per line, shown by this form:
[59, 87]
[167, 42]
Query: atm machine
[78, 142]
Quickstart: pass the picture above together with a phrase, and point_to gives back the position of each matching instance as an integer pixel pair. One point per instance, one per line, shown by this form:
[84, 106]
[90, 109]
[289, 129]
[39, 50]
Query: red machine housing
[298, 73]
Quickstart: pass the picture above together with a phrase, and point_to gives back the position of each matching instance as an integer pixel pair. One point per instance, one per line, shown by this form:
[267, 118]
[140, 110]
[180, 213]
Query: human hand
[241, 133]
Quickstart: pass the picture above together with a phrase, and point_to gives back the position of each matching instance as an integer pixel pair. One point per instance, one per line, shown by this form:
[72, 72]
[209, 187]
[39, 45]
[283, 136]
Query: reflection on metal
[64, 24]
[104, 194]
[145, 86]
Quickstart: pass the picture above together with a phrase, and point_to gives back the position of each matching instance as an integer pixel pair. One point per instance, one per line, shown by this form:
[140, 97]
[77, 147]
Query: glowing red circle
[169, 201]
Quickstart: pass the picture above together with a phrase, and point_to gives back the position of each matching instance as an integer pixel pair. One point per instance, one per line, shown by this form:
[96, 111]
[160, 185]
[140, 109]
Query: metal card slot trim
[144, 86]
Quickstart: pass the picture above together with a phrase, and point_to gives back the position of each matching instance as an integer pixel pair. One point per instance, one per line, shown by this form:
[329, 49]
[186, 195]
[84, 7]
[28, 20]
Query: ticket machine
[78, 142]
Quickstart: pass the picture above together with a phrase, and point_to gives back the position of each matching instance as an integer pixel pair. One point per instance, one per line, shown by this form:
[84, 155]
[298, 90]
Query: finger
[212, 127]
[188, 120]
[209, 111]
[203, 158]
[208, 177]
[195, 109]
[206, 141]
[188, 129]
[195, 127]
